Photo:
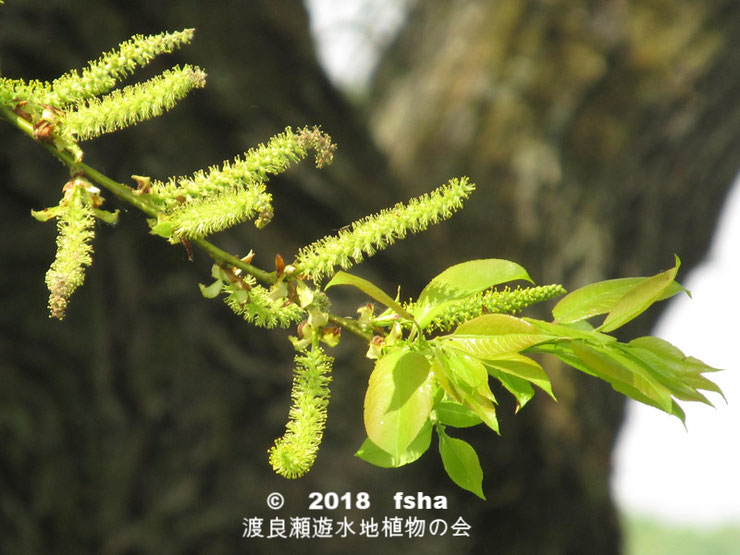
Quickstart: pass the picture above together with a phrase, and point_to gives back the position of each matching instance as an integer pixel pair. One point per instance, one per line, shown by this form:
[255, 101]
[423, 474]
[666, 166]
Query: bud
[375, 347]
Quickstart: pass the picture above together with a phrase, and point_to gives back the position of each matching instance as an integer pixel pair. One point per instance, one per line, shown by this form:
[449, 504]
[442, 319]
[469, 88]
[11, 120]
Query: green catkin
[368, 235]
[205, 216]
[101, 75]
[234, 192]
[506, 301]
[256, 307]
[294, 453]
[255, 166]
[75, 228]
[14, 90]
[130, 105]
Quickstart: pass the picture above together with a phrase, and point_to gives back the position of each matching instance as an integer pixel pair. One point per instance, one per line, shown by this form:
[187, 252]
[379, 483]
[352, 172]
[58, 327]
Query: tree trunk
[140, 423]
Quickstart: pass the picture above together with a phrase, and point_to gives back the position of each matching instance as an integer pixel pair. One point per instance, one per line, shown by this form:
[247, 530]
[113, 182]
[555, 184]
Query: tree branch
[129, 196]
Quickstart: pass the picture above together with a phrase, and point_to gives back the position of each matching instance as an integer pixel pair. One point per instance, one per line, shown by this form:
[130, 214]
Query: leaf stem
[220, 255]
[351, 326]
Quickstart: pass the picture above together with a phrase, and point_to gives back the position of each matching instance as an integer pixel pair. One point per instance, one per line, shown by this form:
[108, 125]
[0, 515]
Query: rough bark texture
[602, 136]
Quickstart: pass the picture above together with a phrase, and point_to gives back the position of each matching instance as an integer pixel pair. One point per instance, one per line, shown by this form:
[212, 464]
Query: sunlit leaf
[681, 374]
[467, 371]
[593, 299]
[370, 289]
[495, 324]
[461, 281]
[453, 367]
[678, 388]
[375, 455]
[596, 363]
[398, 400]
[483, 406]
[522, 367]
[604, 296]
[639, 298]
[521, 389]
[461, 463]
[454, 414]
[625, 376]
[574, 330]
[493, 335]
[439, 369]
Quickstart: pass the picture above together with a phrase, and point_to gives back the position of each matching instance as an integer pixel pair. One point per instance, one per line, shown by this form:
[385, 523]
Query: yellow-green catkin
[368, 235]
[294, 453]
[257, 307]
[506, 301]
[254, 166]
[74, 98]
[75, 226]
[128, 106]
[220, 211]
[103, 74]
[234, 192]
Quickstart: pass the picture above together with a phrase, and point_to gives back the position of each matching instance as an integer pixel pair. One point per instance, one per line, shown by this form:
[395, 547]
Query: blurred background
[603, 136]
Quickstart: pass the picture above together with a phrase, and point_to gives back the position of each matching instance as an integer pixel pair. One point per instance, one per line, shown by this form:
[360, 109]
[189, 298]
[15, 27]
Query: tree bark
[140, 423]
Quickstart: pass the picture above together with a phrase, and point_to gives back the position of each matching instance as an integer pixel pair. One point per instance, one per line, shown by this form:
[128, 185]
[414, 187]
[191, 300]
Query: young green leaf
[522, 368]
[639, 298]
[452, 413]
[457, 373]
[575, 330]
[440, 369]
[373, 454]
[592, 299]
[461, 281]
[467, 371]
[461, 463]
[680, 374]
[604, 296]
[494, 335]
[595, 363]
[482, 404]
[625, 375]
[519, 388]
[398, 400]
[370, 289]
